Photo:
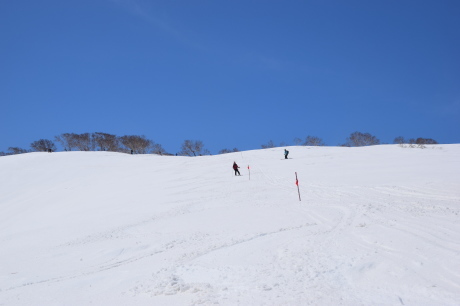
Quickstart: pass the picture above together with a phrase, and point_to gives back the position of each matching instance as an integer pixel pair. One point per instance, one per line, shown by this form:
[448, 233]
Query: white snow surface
[375, 225]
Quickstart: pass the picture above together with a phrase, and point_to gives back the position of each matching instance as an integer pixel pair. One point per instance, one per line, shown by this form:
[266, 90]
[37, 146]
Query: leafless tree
[270, 144]
[16, 150]
[358, 139]
[193, 148]
[399, 140]
[138, 144]
[43, 145]
[313, 141]
[224, 151]
[421, 142]
[297, 141]
[411, 143]
[425, 141]
[84, 142]
[158, 149]
[67, 140]
[106, 142]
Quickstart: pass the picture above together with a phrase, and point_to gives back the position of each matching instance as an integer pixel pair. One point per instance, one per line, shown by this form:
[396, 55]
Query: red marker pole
[297, 183]
[249, 172]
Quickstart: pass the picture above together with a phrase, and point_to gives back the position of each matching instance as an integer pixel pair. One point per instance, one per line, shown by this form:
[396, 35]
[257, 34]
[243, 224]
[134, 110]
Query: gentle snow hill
[376, 225]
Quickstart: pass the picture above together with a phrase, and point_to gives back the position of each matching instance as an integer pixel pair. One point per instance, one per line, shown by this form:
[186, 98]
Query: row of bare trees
[98, 141]
[356, 139]
[135, 144]
[414, 141]
[108, 142]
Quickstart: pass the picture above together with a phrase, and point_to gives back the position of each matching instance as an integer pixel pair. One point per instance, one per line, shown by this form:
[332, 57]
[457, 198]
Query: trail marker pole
[297, 183]
[249, 172]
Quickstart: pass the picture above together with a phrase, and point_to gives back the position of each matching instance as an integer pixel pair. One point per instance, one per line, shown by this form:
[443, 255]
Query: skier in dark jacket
[235, 167]
[286, 153]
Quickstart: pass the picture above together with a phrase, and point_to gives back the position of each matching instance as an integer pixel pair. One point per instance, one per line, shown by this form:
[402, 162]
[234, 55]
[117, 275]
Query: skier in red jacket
[235, 167]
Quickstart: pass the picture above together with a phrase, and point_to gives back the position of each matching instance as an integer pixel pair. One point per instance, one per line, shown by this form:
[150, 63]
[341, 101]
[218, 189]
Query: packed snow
[376, 225]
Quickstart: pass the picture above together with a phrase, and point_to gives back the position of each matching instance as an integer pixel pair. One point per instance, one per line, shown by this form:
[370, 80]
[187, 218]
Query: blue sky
[229, 73]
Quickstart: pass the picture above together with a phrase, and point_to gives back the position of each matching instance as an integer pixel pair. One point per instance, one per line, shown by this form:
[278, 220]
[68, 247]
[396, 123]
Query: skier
[235, 167]
[286, 153]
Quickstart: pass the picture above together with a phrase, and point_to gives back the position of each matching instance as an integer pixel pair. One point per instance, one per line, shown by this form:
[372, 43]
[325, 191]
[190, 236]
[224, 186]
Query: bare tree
[399, 140]
[193, 148]
[424, 141]
[270, 144]
[297, 141]
[16, 150]
[411, 143]
[158, 149]
[313, 141]
[106, 142]
[138, 144]
[84, 142]
[358, 139]
[224, 151]
[67, 140]
[43, 145]
[420, 142]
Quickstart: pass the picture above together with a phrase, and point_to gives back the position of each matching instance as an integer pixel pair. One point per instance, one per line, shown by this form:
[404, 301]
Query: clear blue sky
[229, 73]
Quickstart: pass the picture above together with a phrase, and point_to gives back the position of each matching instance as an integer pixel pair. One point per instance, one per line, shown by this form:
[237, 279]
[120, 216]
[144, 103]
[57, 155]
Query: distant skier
[286, 153]
[235, 167]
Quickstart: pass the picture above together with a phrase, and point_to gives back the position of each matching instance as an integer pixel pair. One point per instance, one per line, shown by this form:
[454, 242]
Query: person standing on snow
[286, 153]
[235, 167]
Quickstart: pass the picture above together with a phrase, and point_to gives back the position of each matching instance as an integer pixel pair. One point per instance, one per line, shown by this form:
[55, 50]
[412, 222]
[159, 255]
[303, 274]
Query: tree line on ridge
[135, 144]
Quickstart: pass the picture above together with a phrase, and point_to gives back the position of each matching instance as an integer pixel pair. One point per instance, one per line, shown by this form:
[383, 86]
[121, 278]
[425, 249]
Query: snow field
[376, 226]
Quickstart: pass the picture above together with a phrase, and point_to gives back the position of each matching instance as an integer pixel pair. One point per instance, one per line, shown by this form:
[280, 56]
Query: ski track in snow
[212, 238]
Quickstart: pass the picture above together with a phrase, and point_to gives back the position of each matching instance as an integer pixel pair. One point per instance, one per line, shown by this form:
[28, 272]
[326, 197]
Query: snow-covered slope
[376, 226]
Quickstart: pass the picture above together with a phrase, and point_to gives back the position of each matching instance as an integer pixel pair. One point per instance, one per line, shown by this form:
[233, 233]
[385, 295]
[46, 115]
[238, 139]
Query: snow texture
[376, 225]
